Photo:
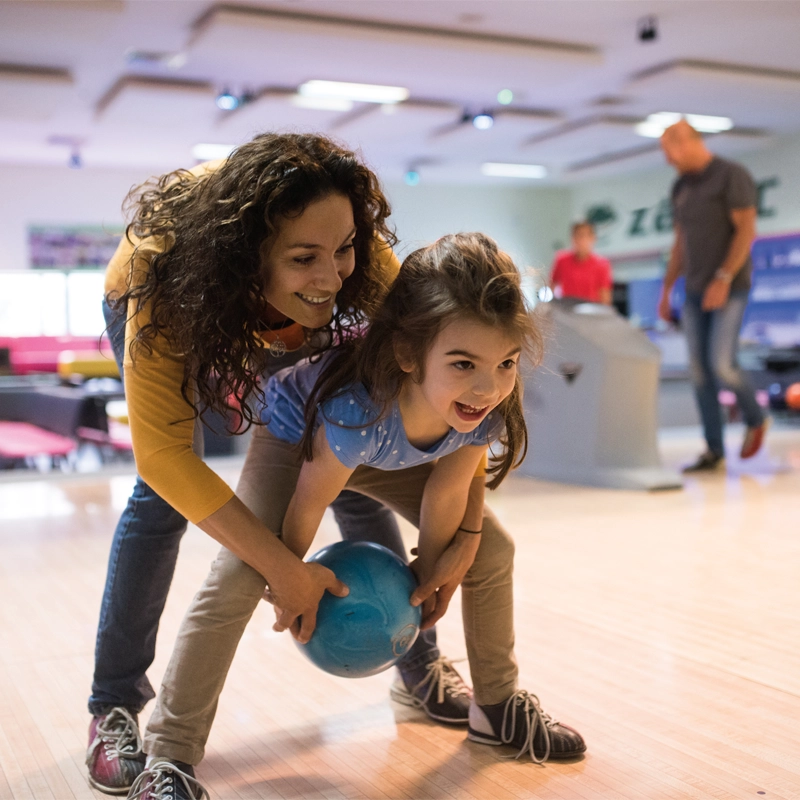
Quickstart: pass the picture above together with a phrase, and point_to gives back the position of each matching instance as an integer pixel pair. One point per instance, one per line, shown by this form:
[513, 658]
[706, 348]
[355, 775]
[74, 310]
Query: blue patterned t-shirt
[352, 428]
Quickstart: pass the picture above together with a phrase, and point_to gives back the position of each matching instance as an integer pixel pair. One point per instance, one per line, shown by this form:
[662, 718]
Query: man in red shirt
[579, 272]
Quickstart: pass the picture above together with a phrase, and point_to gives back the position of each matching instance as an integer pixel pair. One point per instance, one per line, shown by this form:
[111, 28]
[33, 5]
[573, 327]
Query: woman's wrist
[722, 275]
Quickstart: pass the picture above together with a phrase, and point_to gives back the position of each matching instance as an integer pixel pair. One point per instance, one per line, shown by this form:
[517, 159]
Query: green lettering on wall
[663, 219]
[637, 222]
[762, 187]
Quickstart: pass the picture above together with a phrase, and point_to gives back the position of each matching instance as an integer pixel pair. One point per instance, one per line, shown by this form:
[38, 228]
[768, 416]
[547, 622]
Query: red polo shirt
[582, 279]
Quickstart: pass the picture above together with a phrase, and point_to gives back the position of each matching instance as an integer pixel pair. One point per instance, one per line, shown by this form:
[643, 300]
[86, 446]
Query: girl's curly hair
[460, 276]
[201, 236]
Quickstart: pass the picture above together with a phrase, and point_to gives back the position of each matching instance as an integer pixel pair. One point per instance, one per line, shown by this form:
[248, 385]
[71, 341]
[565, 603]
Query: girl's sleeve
[349, 430]
[162, 427]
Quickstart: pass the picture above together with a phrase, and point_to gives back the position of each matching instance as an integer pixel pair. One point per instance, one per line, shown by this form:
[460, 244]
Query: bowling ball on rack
[792, 397]
[375, 625]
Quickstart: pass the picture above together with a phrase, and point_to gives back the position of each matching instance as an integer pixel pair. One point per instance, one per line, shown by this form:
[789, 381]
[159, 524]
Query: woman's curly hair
[201, 234]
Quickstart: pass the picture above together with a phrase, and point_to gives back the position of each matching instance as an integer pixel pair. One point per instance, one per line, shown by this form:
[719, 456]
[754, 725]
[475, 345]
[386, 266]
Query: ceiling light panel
[753, 98]
[501, 142]
[133, 103]
[34, 95]
[276, 111]
[248, 43]
[354, 92]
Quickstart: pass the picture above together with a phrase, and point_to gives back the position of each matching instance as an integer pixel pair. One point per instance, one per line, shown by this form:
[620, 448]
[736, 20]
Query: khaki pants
[217, 617]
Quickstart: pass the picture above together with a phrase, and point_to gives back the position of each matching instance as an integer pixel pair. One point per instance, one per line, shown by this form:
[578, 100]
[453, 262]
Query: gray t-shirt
[701, 205]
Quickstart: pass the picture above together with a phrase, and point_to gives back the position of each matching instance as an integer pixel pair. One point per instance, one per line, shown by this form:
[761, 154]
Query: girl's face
[470, 369]
[306, 261]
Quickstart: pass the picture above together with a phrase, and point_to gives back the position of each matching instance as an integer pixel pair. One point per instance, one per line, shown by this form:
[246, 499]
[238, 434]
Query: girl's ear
[403, 356]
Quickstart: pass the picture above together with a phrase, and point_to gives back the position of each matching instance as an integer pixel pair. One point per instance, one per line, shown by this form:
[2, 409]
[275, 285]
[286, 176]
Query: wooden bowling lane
[665, 627]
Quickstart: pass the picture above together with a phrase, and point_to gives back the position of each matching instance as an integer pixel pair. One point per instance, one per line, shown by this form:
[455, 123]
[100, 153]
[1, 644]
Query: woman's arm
[319, 484]
[451, 518]
[295, 587]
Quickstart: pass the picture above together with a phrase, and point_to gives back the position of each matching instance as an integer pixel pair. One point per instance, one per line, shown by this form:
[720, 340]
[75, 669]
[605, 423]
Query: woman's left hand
[439, 583]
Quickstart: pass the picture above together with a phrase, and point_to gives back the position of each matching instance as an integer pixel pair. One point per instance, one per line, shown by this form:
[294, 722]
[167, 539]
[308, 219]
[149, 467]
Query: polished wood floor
[665, 627]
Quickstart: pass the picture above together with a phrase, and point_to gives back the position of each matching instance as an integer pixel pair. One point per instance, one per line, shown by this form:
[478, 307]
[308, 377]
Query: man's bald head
[684, 148]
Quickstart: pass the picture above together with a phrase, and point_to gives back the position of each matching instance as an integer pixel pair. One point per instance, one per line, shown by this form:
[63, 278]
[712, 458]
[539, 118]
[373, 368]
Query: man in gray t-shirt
[714, 208]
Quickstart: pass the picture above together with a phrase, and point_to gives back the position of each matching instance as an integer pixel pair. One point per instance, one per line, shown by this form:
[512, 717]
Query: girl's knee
[230, 575]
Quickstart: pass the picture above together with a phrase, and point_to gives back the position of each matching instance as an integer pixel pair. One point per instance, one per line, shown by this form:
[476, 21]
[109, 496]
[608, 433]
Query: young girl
[405, 416]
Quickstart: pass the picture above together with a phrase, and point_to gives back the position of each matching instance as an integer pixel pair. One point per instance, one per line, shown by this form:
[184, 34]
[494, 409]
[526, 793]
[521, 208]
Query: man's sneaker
[753, 439]
[439, 691]
[115, 756]
[707, 462]
[165, 780]
[520, 722]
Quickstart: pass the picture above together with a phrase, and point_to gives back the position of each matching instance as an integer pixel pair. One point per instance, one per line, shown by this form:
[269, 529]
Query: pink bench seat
[21, 440]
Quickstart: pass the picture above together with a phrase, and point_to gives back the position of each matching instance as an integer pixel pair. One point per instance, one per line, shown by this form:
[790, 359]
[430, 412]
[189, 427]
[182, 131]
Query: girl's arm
[319, 484]
[452, 506]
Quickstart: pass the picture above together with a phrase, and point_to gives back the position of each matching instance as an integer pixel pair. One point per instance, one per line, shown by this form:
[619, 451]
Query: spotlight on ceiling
[647, 29]
[357, 92]
[500, 170]
[483, 121]
[227, 101]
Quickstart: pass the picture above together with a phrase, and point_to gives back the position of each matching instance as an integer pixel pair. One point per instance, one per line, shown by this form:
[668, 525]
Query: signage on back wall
[656, 220]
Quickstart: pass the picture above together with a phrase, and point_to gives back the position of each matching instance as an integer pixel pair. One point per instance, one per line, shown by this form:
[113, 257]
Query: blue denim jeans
[141, 564]
[713, 341]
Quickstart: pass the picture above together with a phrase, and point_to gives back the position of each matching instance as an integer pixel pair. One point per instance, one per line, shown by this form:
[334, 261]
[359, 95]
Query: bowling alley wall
[530, 220]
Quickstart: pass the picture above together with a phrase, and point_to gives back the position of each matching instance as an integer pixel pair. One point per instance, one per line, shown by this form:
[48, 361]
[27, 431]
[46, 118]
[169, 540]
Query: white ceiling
[580, 77]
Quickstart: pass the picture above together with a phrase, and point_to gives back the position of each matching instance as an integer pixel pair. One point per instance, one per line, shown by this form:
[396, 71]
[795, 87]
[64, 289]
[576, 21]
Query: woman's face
[307, 260]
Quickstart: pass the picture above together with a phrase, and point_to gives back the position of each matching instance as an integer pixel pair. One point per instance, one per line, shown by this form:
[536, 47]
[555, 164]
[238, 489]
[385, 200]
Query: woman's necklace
[277, 348]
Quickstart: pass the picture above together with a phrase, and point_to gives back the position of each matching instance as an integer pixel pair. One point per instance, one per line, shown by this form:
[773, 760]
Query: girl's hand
[296, 598]
[439, 583]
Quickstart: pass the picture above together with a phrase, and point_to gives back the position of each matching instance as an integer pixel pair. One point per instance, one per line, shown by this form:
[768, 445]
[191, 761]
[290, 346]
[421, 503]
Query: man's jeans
[142, 561]
[713, 341]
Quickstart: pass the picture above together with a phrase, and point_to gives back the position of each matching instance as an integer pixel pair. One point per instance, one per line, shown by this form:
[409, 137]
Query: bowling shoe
[437, 689]
[520, 722]
[707, 462]
[753, 439]
[115, 756]
[165, 780]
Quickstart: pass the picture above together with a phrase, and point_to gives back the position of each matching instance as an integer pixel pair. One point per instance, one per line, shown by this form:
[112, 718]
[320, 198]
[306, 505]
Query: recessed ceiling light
[227, 101]
[501, 170]
[483, 121]
[212, 152]
[322, 103]
[657, 123]
[357, 92]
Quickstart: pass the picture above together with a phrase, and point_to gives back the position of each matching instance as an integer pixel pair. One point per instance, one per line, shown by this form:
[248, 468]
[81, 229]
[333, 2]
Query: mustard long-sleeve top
[161, 421]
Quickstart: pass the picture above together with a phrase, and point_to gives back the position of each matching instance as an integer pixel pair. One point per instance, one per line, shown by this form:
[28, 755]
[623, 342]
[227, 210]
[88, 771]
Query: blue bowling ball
[370, 629]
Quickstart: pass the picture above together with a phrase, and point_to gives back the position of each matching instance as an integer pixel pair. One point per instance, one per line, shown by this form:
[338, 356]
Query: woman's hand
[296, 598]
[665, 306]
[439, 582]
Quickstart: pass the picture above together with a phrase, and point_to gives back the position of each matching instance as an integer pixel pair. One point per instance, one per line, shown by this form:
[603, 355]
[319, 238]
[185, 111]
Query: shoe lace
[443, 677]
[534, 719]
[118, 733]
[159, 780]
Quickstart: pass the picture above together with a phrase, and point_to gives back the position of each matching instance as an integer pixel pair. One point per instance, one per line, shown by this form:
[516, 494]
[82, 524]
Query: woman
[228, 272]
